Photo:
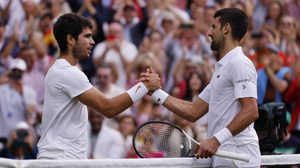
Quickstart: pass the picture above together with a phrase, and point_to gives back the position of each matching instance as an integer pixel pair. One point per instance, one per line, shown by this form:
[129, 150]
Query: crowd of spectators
[130, 36]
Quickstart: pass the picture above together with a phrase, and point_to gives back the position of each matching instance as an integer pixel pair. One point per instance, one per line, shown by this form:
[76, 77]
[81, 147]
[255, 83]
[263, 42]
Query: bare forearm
[5, 11]
[41, 50]
[244, 118]
[279, 85]
[98, 61]
[7, 51]
[184, 109]
[110, 107]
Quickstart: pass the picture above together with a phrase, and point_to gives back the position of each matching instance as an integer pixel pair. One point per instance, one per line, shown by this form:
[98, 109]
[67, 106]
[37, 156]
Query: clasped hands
[151, 80]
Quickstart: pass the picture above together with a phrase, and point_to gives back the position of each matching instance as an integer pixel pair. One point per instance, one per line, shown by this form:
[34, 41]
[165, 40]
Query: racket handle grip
[232, 155]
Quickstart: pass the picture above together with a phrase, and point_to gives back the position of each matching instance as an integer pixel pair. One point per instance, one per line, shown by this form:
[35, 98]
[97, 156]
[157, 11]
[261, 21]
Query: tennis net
[268, 161]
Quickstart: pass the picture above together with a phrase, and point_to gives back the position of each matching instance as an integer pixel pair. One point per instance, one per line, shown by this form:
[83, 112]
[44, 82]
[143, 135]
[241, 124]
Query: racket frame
[220, 153]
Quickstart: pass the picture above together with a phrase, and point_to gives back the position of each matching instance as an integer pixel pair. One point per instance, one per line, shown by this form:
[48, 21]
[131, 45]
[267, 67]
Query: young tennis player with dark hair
[68, 91]
[230, 100]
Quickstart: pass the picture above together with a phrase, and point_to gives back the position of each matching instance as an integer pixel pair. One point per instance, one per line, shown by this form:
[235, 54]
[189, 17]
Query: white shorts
[56, 154]
[253, 150]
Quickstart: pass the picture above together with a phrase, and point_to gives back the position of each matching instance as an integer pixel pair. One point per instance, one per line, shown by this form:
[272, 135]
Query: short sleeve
[205, 94]
[76, 83]
[244, 80]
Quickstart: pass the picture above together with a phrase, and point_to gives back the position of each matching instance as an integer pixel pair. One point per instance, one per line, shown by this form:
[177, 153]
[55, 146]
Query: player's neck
[69, 57]
[227, 48]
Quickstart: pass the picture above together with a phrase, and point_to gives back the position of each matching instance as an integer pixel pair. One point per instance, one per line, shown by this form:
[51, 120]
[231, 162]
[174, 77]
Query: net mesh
[282, 161]
[161, 140]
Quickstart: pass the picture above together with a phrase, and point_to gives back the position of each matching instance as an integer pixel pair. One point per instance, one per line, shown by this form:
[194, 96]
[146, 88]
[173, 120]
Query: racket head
[158, 139]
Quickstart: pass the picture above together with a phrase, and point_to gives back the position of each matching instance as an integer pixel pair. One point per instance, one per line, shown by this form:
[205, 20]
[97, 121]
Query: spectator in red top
[293, 96]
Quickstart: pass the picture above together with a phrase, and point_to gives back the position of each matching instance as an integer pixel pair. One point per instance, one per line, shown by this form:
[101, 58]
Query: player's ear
[71, 40]
[226, 28]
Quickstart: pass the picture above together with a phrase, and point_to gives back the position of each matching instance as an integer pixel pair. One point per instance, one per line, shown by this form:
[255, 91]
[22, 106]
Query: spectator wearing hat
[17, 101]
[274, 79]
[21, 145]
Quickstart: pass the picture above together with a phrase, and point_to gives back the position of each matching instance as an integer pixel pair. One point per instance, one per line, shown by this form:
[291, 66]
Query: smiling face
[215, 33]
[84, 44]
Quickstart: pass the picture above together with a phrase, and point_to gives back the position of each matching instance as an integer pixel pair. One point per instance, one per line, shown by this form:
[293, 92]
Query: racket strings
[157, 140]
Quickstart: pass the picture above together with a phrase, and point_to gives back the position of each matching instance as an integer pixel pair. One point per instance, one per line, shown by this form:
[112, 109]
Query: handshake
[151, 80]
[149, 83]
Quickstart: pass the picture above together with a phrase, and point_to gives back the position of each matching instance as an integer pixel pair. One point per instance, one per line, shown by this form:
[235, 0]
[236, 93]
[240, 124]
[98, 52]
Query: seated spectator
[17, 101]
[105, 84]
[21, 145]
[127, 128]
[105, 141]
[293, 96]
[274, 14]
[287, 41]
[115, 50]
[134, 28]
[274, 79]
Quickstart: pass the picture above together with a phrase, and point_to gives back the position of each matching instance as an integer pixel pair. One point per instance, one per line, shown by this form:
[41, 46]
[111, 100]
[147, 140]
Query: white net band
[139, 163]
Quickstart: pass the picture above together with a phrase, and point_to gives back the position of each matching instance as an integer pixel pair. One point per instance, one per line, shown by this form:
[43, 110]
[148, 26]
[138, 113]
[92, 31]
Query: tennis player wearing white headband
[68, 91]
[230, 99]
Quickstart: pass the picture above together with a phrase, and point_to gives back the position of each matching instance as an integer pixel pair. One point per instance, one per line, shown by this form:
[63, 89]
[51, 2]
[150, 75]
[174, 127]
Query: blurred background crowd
[130, 36]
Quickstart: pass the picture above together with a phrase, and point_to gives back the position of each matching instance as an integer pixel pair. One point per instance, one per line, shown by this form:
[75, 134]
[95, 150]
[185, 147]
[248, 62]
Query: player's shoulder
[62, 69]
[241, 61]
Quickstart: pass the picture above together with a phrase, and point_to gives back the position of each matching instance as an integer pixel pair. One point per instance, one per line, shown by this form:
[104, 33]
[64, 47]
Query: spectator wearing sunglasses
[287, 41]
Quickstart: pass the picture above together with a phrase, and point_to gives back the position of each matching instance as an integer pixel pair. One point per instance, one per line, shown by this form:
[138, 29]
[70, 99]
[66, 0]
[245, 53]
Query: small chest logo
[218, 76]
[244, 87]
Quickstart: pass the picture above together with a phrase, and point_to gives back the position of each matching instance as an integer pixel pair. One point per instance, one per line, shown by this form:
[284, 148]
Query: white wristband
[159, 96]
[137, 92]
[223, 135]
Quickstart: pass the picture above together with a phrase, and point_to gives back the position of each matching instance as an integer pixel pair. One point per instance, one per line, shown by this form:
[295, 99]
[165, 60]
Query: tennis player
[68, 91]
[230, 99]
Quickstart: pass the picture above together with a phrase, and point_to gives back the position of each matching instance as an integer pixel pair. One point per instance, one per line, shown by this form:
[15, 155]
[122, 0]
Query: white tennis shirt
[65, 119]
[235, 77]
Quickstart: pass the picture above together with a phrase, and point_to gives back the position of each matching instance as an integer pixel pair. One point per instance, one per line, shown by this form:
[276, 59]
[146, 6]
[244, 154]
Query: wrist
[137, 92]
[159, 96]
[223, 135]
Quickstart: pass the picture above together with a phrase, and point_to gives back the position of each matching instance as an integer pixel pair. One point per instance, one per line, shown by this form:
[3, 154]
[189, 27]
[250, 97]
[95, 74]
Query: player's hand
[153, 80]
[208, 148]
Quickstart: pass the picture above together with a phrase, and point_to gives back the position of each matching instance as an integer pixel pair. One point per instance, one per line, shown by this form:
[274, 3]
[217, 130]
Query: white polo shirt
[235, 77]
[65, 119]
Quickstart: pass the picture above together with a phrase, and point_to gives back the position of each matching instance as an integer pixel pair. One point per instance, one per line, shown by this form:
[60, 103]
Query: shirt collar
[227, 58]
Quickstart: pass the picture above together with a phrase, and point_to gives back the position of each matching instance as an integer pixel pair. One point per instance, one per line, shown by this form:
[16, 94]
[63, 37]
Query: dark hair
[69, 24]
[156, 31]
[24, 48]
[188, 93]
[237, 19]
[46, 14]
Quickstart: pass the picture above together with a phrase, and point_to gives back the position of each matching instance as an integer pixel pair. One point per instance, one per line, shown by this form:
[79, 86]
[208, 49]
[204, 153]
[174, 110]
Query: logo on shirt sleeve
[244, 87]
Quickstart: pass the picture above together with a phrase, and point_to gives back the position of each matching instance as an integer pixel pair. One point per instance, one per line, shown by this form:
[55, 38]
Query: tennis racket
[158, 139]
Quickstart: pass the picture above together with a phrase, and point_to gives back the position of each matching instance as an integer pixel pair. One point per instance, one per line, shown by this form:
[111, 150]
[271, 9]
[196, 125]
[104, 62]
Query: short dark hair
[25, 48]
[69, 24]
[237, 19]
